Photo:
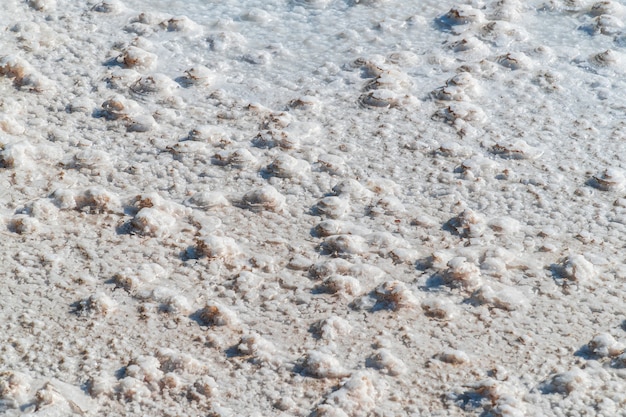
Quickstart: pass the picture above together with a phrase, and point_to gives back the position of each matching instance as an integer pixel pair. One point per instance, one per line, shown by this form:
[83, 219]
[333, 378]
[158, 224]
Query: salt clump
[330, 228]
[170, 301]
[333, 207]
[515, 61]
[605, 25]
[42, 5]
[333, 327]
[454, 357]
[468, 224]
[384, 98]
[611, 179]
[22, 73]
[604, 345]
[567, 382]
[576, 268]
[383, 359]
[343, 285]
[461, 87]
[155, 85]
[357, 396]
[264, 198]
[439, 308]
[170, 360]
[286, 166]
[108, 6]
[14, 388]
[462, 15]
[238, 158]
[608, 58]
[219, 247]
[517, 150]
[461, 273]
[607, 7]
[458, 112]
[323, 365]
[500, 296]
[181, 24]
[344, 245]
[23, 224]
[395, 294]
[332, 164]
[222, 41]
[139, 59]
[207, 200]
[153, 222]
[200, 76]
[215, 314]
[353, 189]
[261, 350]
[99, 304]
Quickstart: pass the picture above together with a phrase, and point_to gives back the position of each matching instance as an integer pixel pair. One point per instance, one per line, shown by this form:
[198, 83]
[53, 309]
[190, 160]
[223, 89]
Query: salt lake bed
[313, 208]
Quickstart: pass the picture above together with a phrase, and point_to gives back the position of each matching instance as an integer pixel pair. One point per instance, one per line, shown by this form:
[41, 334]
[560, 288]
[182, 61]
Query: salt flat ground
[312, 208]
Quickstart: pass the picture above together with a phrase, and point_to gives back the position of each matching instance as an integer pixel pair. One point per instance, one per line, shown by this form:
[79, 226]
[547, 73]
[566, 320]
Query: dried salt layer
[312, 208]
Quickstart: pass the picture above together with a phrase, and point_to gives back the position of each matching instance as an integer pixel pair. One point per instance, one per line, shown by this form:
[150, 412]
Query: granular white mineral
[312, 207]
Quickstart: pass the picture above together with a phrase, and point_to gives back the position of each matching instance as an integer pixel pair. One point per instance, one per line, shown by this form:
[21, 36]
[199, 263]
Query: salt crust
[357, 395]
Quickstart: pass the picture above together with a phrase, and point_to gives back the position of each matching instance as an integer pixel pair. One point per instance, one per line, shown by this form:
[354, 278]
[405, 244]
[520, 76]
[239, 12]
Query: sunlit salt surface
[312, 208]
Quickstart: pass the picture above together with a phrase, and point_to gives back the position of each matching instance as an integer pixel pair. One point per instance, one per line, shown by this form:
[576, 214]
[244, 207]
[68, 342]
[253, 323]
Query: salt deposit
[312, 207]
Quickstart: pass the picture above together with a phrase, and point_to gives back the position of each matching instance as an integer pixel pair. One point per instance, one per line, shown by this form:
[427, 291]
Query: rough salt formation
[312, 208]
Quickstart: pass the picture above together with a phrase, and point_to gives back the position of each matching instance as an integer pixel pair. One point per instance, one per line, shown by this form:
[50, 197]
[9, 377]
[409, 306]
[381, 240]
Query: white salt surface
[312, 208]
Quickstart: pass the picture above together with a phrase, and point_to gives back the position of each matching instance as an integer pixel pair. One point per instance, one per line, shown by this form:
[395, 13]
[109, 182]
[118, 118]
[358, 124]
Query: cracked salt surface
[312, 208]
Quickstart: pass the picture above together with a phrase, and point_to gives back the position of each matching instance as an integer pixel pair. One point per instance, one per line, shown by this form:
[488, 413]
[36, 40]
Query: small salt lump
[566, 382]
[137, 58]
[333, 207]
[323, 365]
[264, 198]
[344, 245]
[605, 345]
[576, 268]
[438, 308]
[611, 179]
[219, 247]
[500, 296]
[153, 222]
[454, 357]
[395, 294]
[215, 314]
[342, 285]
[384, 360]
[461, 273]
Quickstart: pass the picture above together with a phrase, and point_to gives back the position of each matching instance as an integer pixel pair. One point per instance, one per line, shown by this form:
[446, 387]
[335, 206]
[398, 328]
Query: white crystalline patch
[259, 348]
[439, 308]
[343, 285]
[139, 59]
[396, 294]
[384, 360]
[153, 222]
[500, 296]
[567, 382]
[264, 198]
[334, 327]
[215, 314]
[219, 247]
[323, 365]
[454, 357]
[358, 395]
[577, 268]
[333, 207]
[464, 274]
[605, 345]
